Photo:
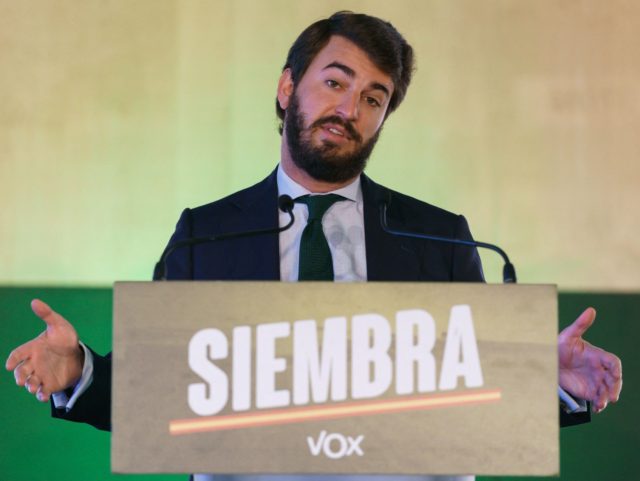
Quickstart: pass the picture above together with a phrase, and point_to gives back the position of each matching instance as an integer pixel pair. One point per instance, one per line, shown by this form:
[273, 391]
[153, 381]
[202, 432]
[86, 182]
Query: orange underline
[315, 413]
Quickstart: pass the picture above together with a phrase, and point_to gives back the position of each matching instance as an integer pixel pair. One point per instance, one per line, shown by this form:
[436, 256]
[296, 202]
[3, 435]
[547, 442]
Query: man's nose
[349, 106]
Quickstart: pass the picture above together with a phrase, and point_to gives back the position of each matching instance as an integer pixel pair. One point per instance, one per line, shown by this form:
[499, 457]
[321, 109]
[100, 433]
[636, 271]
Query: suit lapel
[259, 256]
[389, 258]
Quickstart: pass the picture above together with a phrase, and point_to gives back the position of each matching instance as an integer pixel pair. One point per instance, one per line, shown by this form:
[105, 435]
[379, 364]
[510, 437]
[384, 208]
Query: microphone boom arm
[508, 271]
[285, 203]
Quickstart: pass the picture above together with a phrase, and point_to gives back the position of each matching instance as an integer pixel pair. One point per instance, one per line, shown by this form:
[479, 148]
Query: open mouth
[336, 131]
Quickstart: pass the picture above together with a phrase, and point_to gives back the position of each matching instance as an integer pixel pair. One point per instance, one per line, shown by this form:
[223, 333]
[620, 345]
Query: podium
[329, 378]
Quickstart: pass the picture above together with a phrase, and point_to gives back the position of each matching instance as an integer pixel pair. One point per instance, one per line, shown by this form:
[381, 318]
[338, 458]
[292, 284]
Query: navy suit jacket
[389, 258]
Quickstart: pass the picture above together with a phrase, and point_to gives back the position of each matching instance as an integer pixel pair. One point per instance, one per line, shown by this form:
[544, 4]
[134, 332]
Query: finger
[22, 372]
[49, 316]
[33, 384]
[601, 402]
[612, 372]
[42, 394]
[18, 355]
[613, 365]
[44, 312]
[581, 324]
[614, 391]
[614, 383]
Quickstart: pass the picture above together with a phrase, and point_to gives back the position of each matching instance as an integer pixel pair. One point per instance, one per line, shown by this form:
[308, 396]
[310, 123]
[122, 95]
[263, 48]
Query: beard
[324, 162]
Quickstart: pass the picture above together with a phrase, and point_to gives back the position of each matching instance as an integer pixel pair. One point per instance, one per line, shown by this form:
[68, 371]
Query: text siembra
[319, 372]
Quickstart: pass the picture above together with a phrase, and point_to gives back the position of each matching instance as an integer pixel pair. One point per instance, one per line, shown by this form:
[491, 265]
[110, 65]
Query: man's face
[335, 112]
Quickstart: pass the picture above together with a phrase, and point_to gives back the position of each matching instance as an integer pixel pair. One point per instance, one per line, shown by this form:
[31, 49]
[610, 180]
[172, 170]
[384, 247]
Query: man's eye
[372, 101]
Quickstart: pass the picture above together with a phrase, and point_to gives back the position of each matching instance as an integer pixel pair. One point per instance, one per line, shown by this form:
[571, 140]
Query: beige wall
[114, 115]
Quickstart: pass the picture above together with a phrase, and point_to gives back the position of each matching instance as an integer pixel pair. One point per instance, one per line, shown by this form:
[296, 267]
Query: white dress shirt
[343, 226]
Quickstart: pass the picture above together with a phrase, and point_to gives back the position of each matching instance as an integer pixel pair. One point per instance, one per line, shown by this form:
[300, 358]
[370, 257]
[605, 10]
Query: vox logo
[335, 445]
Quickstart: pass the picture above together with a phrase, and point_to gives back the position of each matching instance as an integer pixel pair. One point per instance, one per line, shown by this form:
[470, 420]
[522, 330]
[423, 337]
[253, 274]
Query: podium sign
[364, 378]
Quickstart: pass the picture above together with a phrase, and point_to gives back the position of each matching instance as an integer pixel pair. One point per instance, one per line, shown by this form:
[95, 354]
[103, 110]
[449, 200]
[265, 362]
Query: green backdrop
[36, 447]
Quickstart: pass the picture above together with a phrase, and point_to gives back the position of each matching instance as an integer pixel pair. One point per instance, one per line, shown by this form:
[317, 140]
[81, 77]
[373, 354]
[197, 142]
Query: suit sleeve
[571, 419]
[94, 405]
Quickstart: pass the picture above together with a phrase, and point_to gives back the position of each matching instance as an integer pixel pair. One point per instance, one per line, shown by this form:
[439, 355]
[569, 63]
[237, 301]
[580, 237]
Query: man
[343, 77]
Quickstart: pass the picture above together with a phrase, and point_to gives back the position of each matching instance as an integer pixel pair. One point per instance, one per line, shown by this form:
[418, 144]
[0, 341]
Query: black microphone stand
[285, 204]
[508, 271]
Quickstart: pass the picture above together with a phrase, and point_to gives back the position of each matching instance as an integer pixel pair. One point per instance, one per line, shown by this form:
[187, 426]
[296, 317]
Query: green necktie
[315, 256]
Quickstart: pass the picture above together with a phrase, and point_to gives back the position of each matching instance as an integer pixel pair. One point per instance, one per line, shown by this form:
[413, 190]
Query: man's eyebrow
[347, 70]
[379, 86]
[351, 73]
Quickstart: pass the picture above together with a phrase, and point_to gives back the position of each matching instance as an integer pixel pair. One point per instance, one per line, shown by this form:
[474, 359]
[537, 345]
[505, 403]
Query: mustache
[334, 119]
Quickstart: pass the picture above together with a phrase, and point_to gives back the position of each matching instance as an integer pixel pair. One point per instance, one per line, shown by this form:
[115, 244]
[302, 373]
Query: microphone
[508, 271]
[285, 204]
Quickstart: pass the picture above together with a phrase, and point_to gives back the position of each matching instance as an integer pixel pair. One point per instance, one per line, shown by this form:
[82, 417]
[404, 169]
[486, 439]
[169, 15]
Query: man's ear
[285, 89]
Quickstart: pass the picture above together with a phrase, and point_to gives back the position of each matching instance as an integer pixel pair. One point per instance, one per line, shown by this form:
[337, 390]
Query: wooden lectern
[322, 377]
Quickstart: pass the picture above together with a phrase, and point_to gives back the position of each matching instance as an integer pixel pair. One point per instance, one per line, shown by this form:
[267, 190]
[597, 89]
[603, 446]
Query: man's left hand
[586, 371]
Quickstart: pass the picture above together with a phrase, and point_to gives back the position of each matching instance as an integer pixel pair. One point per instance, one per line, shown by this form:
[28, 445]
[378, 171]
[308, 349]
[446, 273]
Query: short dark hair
[384, 45]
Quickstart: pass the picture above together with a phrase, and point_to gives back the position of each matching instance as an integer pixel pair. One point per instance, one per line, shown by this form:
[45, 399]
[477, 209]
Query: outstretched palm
[52, 361]
[586, 371]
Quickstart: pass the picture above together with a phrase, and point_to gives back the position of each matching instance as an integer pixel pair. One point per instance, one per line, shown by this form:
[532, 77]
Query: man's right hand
[52, 361]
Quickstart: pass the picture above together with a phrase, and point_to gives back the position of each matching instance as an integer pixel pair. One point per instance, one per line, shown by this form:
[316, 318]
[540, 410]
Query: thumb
[26, 350]
[581, 324]
[48, 315]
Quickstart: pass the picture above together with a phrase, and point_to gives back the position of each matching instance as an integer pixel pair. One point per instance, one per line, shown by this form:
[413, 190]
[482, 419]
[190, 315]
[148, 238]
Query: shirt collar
[288, 186]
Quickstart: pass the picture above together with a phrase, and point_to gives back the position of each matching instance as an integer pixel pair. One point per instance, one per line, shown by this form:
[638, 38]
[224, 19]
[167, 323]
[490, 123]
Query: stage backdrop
[115, 115]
